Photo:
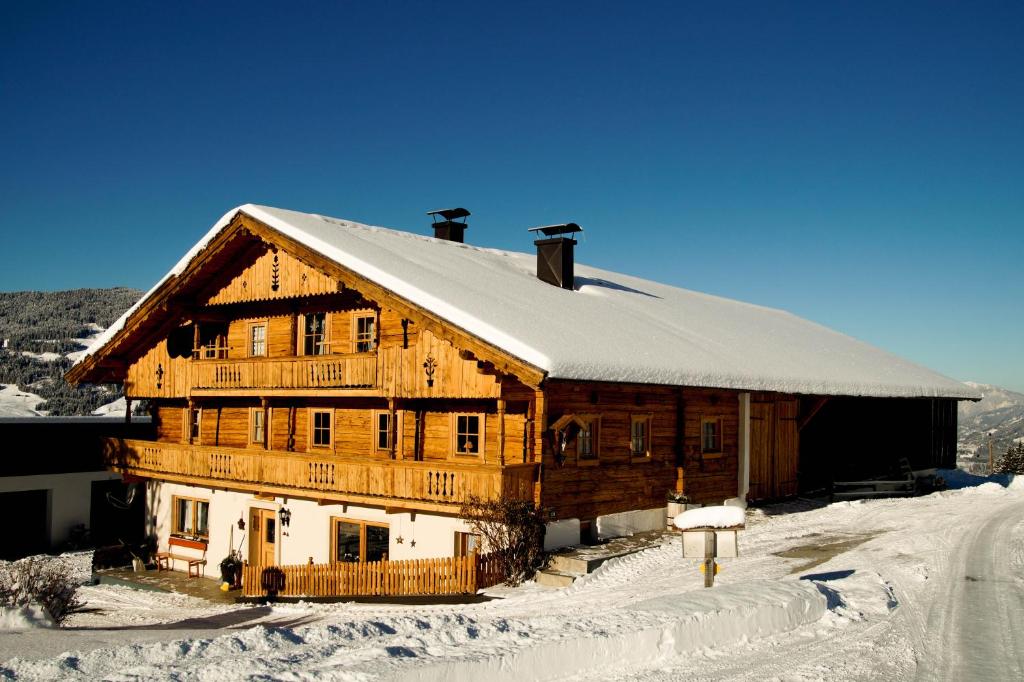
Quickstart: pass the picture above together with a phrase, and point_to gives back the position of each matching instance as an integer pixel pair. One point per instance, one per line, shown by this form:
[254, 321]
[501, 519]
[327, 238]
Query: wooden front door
[774, 449]
[262, 537]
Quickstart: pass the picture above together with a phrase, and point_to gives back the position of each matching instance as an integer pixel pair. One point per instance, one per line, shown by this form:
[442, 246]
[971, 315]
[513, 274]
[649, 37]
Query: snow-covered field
[854, 590]
[17, 403]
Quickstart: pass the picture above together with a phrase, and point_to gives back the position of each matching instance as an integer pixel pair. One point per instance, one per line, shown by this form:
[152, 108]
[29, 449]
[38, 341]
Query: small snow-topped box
[722, 521]
[711, 517]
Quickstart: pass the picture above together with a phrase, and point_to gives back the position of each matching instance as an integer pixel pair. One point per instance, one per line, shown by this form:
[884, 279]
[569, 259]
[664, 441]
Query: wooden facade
[272, 369]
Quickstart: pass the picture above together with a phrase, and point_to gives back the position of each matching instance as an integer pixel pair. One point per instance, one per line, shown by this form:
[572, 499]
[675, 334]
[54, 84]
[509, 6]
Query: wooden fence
[449, 575]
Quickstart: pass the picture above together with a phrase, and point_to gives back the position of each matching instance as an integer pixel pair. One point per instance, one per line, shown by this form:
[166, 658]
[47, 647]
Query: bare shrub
[35, 580]
[513, 531]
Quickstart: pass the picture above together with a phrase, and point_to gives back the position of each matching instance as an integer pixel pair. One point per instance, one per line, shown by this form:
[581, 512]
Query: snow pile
[710, 517]
[613, 327]
[697, 620]
[25, 618]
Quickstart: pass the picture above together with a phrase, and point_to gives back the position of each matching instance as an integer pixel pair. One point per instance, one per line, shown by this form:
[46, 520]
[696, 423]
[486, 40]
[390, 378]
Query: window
[191, 517]
[586, 440]
[364, 330]
[353, 541]
[314, 334]
[466, 543]
[382, 430]
[711, 435]
[640, 436]
[257, 428]
[579, 433]
[257, 340]
[467, 434]
[321, 429]
[195, 418]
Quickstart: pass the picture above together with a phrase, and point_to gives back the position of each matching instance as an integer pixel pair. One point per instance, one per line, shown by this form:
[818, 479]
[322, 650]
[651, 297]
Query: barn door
[787, 448]
[262, 537]
[761, 421]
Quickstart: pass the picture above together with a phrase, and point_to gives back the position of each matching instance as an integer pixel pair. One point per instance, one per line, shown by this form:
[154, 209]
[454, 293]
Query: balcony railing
[348, 371]
[422, 485]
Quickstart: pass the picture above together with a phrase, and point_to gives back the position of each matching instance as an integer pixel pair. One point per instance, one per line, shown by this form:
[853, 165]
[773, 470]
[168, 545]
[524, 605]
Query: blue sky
[858, 164]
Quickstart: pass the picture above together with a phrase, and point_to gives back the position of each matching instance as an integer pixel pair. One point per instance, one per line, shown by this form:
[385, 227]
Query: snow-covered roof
[612, 327]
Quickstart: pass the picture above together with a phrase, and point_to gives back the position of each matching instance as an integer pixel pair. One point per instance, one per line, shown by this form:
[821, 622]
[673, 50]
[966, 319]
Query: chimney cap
[555, 230]
[449, 213]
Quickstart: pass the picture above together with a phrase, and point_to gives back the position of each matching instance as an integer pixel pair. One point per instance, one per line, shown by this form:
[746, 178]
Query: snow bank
[711, 517]
[25, 618]
[689, 338]
[693, 621]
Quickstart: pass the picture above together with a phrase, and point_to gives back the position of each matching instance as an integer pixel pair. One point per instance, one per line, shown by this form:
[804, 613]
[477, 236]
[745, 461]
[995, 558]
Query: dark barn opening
[857, 438]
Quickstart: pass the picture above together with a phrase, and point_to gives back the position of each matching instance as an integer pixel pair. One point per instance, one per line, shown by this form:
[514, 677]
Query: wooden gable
[249, 264]
[273, 275]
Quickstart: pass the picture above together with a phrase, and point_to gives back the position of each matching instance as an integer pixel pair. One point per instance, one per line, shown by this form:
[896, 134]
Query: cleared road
[975, 624]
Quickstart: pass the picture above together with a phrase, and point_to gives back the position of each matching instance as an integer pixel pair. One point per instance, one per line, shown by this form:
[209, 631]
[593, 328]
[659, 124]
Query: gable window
[257, 427]
[321, 431]
[468, 434]
[382, 430]
[314, 334]
[640, 436]
[257, 340]
[194, 421]
[191, 517]
[364, 330]
[711, 435]
[353, 541]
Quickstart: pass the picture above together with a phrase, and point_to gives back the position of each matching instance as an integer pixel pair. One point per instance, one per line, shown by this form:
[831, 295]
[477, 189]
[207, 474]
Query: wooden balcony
[357, 371]
[427, 486]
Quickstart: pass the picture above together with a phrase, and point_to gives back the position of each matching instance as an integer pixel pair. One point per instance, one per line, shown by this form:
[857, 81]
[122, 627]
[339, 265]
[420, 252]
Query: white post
[743, 476]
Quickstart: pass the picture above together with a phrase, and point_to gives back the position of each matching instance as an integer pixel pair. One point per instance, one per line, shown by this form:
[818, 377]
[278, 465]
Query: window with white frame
[258, 340]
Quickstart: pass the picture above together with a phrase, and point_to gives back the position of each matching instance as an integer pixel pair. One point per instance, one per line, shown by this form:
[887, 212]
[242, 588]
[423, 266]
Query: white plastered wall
[70, 498]
[308, 534]
[561, 533]
[627, 523]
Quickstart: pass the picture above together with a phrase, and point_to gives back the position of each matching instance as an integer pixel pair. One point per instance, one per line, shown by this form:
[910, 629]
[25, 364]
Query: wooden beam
[805, 420]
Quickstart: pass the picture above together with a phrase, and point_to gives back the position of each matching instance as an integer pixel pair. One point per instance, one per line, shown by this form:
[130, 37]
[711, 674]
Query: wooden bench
[165, 560]
[904, 486]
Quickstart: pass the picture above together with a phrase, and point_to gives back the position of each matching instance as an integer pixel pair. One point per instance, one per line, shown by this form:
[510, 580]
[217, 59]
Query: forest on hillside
[37, 331]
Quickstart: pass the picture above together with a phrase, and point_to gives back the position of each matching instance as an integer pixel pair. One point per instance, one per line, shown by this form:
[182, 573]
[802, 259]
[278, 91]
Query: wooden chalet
[323, 390]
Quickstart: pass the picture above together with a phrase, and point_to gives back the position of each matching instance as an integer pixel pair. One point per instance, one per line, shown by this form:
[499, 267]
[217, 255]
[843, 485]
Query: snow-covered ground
[854, 590]
[86, 342]
[17, 403]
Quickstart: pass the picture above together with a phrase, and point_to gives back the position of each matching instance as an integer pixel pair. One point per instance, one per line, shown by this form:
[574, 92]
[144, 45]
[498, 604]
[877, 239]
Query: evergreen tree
[1013, 461]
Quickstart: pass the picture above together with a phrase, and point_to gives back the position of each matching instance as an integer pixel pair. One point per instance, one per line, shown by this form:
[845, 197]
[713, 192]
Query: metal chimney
[555, 254]
[447, 228]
